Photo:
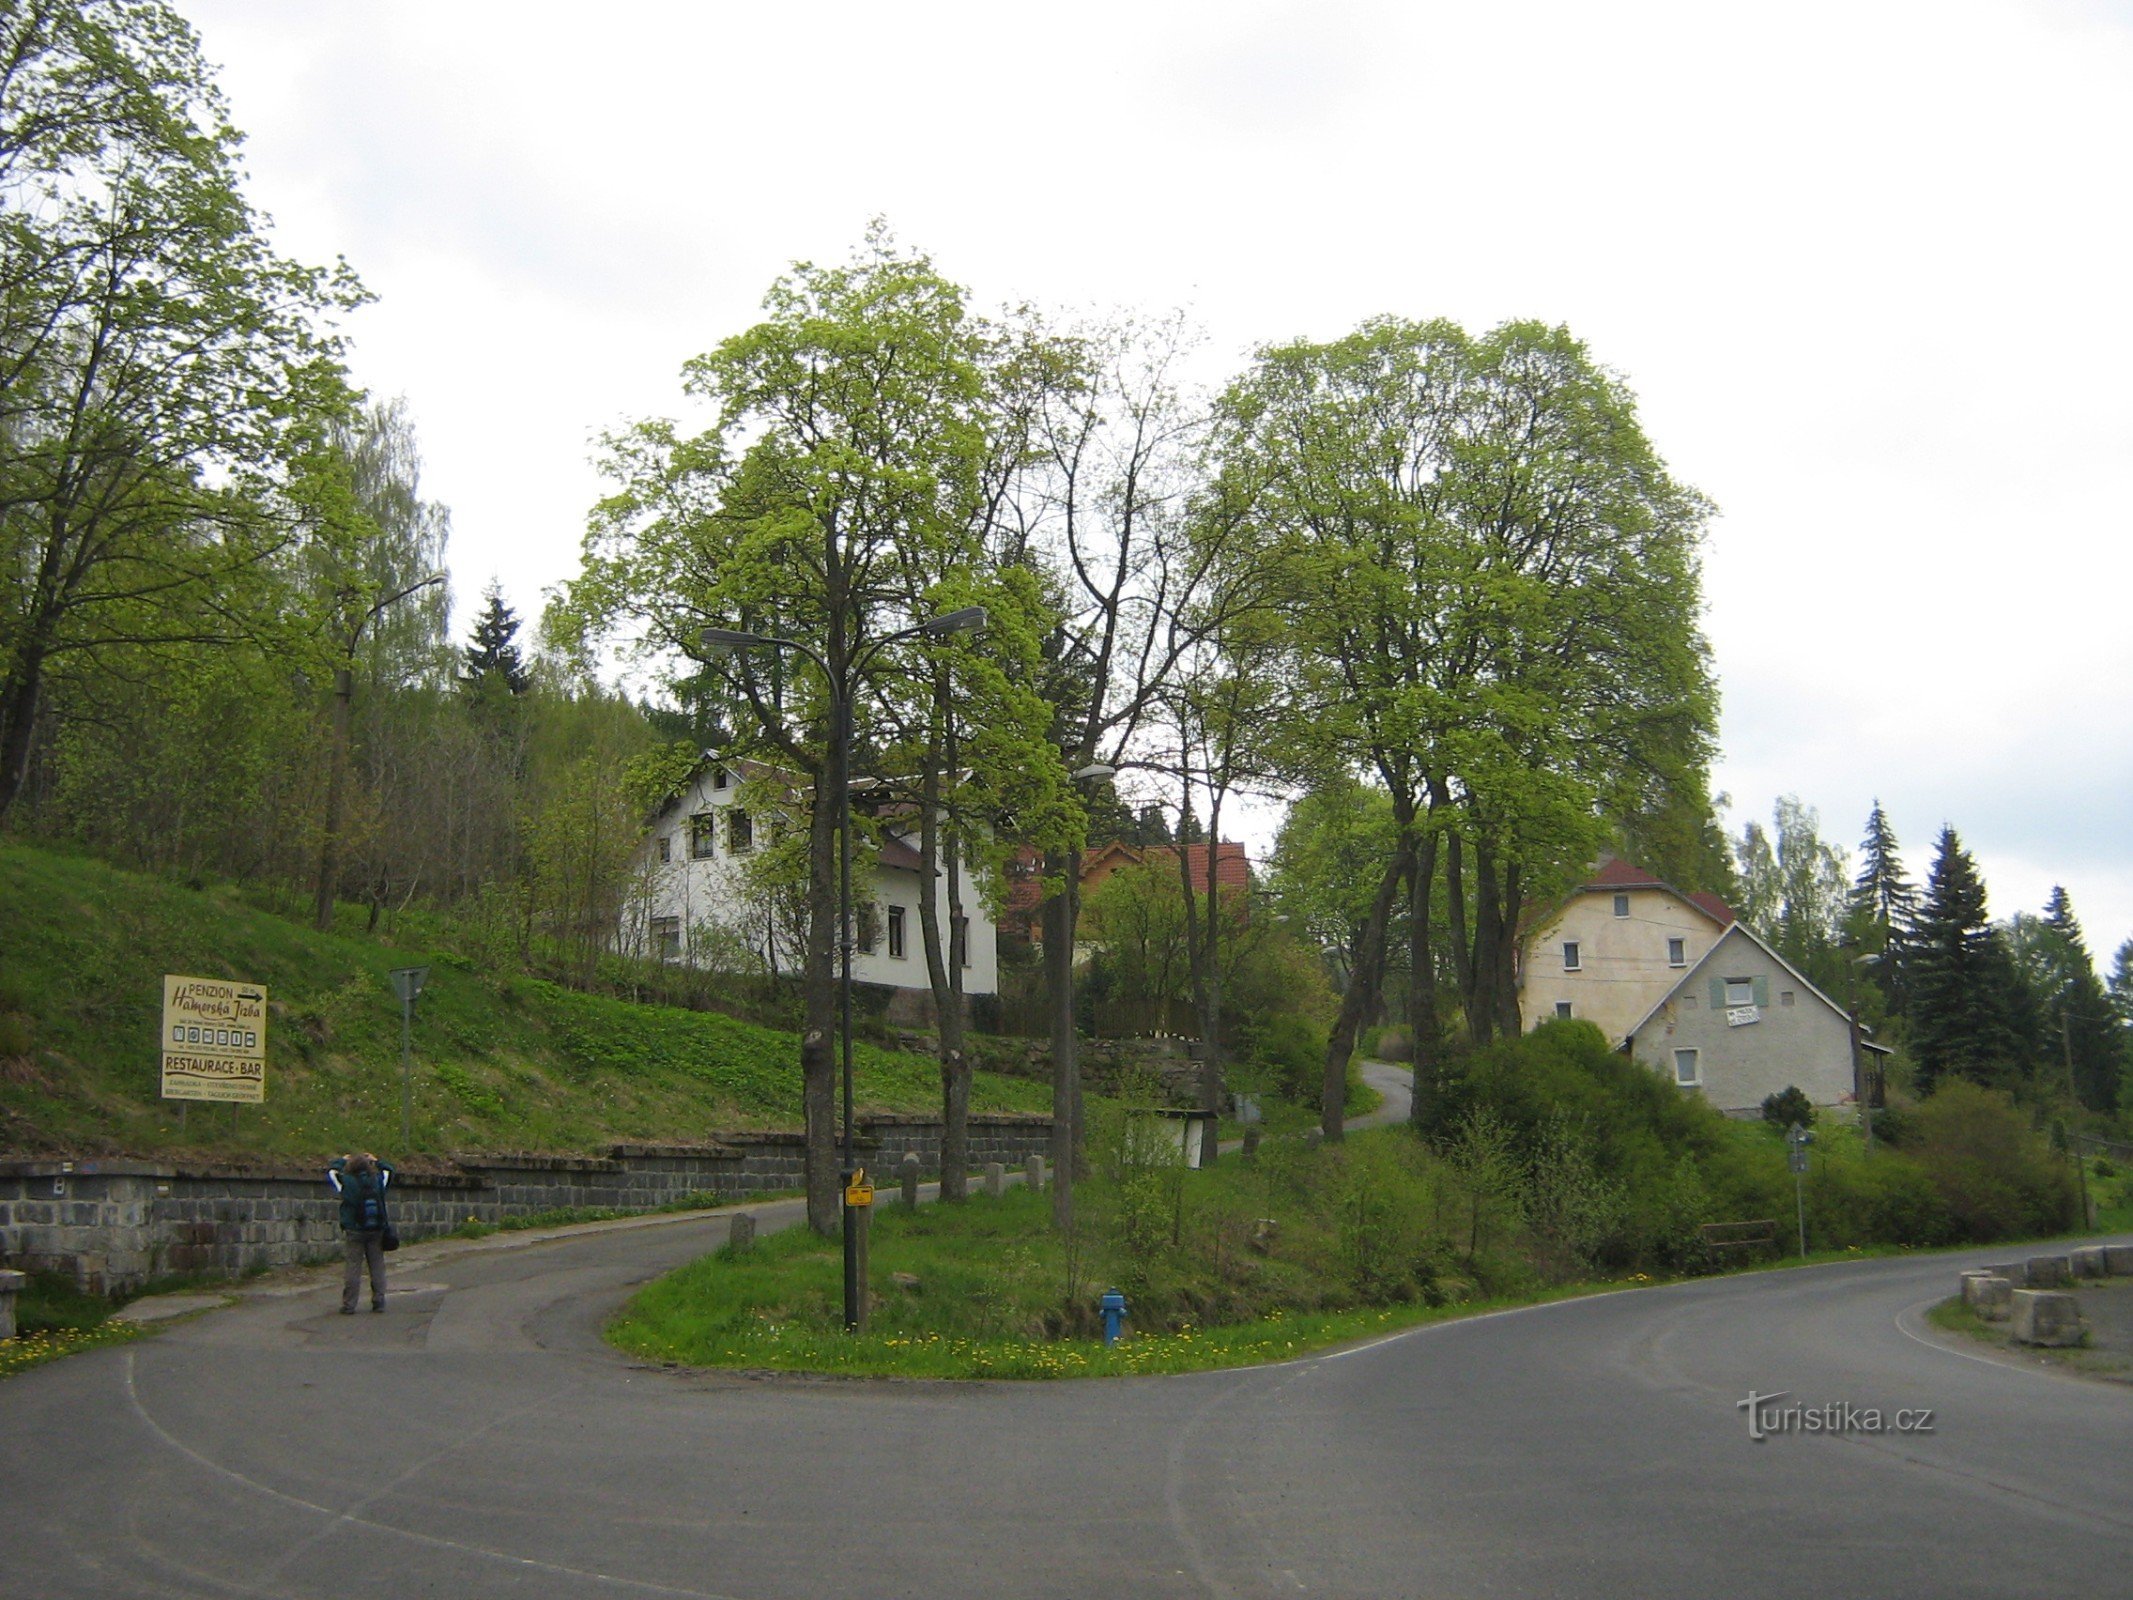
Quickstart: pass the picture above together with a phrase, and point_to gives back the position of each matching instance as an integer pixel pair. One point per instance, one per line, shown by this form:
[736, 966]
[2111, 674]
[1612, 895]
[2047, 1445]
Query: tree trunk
[1428, 1048]
[1061, 913]
[18, 722]
[944, 971]
[818, 1055]
[1362, 992]
[329, 845]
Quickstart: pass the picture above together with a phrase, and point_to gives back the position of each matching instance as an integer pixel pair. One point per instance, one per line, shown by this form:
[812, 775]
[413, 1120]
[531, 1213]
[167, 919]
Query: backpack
[370, 1203]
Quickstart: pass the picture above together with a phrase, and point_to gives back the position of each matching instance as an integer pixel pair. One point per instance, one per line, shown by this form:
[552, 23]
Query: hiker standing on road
[361, 1182]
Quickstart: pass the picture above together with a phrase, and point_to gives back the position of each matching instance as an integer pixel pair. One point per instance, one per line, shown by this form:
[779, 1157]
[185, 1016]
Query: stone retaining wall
[114, 1225]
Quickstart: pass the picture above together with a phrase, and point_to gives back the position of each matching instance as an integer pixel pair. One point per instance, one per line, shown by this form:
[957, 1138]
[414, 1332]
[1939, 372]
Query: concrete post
[1033, 1173]
[2088, 1262]
[2043, 1317]
[2118, 1260]
[740, 1232]
[11, 1284]
[1251, 1141]
[2050, 1272]
[1990, 1296]
[995, 1180]
[907, 1175]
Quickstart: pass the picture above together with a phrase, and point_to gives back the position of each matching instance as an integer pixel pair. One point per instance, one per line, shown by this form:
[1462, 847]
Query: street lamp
[724, 641]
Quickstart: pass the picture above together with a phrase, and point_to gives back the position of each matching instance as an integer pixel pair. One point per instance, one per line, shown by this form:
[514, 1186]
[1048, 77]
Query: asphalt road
[478, 1440]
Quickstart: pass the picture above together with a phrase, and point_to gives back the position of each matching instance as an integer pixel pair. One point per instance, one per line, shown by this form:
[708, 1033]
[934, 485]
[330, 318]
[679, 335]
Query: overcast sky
[1865, 265]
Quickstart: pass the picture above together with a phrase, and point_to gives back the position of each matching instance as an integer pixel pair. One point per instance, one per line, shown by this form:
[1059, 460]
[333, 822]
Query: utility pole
[2073, 1108]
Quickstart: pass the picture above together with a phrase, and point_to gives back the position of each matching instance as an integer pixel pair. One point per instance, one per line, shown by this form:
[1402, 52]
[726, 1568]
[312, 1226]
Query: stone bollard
[1033, 1174]
[1314, 1137]
[11, 1284]
[2015, 1272]
[2050, 1272]
[2118, 1260]
[1251, 1141]
[907, 1175]
[2045, 1318]
[2088, 1262]
[1987, 1294]
[740, 1232]
[995, 1180]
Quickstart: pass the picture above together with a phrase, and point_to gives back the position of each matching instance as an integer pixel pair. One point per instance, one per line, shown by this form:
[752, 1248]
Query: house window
[1740, 991]
[666, 938]
[896, 933]
[1677, 952]
[1784, 997]
[961, 935]
[719, 779]
[1688, 1071]
[666, 848]
[1621, 905]
[703, 834]
[1570, 956]
[740, 831]
[1562, 1008]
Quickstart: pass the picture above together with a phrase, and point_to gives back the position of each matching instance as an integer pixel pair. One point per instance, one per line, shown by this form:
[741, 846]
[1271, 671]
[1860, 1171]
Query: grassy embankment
[502, 1062]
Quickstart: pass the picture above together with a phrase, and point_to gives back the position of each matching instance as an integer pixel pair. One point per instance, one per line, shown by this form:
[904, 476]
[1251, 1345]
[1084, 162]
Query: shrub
[1995, 1177]
[1789, 1108]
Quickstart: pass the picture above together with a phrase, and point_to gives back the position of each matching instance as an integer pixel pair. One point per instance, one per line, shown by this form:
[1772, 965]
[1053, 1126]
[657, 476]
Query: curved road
[479, 1440]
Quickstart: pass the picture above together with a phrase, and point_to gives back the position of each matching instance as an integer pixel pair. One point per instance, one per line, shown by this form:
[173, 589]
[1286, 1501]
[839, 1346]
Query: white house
[694, 898]
[1743, 1024]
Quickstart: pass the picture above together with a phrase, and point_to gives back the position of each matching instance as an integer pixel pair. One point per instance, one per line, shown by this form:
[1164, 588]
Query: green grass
[500, 1062]
[1242, 1264]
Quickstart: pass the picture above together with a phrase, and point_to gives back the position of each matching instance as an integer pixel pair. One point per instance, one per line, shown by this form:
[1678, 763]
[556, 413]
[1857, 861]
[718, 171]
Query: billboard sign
[214, 1040]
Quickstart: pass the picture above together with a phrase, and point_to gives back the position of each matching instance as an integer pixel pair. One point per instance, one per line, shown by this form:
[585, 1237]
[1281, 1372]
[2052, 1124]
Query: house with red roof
[1024, 911]
[1614, 949]
[1679, 984]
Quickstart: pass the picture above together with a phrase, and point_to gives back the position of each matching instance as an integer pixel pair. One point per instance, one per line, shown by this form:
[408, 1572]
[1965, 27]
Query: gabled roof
[1612, 874]
[1697, 970]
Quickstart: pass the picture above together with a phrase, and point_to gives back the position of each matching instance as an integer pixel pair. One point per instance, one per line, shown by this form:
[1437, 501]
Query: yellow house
[1615, 949]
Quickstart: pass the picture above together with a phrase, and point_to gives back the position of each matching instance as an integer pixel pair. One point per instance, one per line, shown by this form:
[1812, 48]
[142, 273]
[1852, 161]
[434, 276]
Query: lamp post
[723, 641]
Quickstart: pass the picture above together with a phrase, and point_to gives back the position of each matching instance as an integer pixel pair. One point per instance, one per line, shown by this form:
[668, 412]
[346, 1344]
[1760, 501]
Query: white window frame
[666, 938]
[740, 831]
[703, 836]
[1735, 995]
[1677, 952]
[897, 949]
[1694, 1060]
[1562, 1009]
[1573, 958]
[666, 848]
[1621, 905]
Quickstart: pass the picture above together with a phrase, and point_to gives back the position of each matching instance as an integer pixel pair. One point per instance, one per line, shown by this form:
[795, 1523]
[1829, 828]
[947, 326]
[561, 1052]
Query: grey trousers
[358, 1247]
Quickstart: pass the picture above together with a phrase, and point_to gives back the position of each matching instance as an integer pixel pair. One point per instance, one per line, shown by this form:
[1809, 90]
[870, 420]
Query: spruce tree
[2077, 1015]
[1880, 912]
[493, 650]
[1962, 979]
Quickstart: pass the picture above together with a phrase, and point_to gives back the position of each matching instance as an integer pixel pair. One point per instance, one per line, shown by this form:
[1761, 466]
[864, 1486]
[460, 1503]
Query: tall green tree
[847, 430]
[491, 656]
[1963, 1021]
[1490, 586]
[160, 365]
[1879, 912]
[2070, 1020]
[1793, 890]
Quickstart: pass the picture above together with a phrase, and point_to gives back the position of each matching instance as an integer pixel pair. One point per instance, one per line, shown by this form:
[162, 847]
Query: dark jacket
[352, 1187]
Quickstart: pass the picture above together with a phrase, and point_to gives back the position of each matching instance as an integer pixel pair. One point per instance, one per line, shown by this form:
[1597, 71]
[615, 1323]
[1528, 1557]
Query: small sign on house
[1741, 1016]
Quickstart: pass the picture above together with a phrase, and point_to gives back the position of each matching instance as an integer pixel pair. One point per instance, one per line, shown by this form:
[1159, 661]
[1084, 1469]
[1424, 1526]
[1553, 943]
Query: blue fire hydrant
[1113, 1307]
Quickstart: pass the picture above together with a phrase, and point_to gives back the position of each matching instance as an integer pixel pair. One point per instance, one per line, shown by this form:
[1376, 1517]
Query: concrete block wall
[115, 1225]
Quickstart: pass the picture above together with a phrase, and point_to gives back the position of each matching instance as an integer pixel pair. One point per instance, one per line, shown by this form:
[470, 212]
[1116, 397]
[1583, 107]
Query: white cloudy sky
[1865, 264]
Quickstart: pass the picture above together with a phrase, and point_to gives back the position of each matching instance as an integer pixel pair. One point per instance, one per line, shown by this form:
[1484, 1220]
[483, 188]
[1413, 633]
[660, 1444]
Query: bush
[1789, 1108]
[1291, 1050]
[1996, 1179]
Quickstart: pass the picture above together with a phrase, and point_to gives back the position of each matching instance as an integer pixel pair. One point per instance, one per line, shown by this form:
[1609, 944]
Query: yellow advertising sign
[214, 1040]
[859, 1192]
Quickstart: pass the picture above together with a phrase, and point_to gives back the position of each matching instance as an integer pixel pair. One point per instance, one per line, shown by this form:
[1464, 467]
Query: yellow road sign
[214, 1040]
[859, 1192]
